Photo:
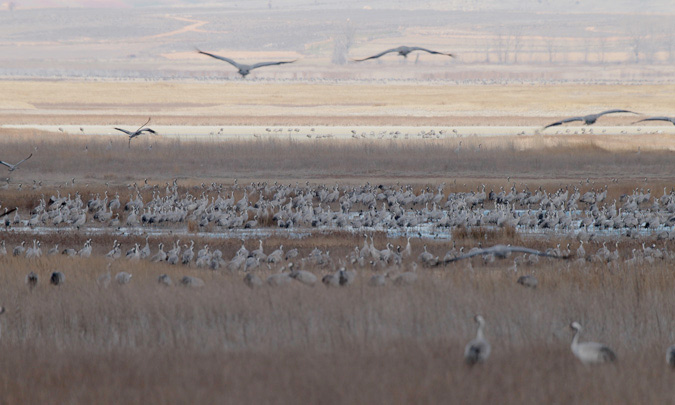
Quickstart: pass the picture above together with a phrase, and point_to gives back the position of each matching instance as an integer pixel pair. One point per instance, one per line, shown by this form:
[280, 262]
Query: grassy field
[316, 104]
[540, 159]
[142, 342]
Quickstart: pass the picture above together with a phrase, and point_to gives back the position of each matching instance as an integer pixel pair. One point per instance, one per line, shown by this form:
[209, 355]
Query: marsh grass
[141, 342]
[108, 159]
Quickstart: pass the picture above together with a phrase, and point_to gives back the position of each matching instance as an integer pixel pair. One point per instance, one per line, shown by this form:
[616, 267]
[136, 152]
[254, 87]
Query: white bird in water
[15, 166]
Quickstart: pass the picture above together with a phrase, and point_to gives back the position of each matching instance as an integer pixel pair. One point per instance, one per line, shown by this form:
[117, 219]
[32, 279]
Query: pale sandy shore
[303, 133]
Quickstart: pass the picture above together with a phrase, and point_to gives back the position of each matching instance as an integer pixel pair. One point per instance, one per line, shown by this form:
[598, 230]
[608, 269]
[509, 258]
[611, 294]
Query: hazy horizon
[492, 40]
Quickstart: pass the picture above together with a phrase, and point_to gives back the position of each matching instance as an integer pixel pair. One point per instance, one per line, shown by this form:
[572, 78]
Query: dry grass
[199, 103]
[101, 159]
[80, 344]
[142, 343]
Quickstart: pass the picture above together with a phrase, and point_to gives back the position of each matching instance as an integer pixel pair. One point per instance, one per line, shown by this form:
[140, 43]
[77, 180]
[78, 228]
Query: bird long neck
[479, 333]
[575, 339]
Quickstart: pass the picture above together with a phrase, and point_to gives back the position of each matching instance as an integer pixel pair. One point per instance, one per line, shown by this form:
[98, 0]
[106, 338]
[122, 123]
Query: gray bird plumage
[244, 69]
[137, 132]
[404, 51]
[477, 350]
[670, 356]
[32, 280]
[588, 119]
[528, 281]
[590, 352]
[15, 166]
[501, 252]
[667, 119]
[57, 278]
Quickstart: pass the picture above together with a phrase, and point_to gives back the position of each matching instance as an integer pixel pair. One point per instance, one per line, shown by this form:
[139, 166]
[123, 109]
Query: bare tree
[650, 46]
[487, 52]
[499, 46]
[517, 41]
[342, 42]
[669, 44]
[549, 43]
[507, 47]
[602, 49]
[587, 49]
[637, 39]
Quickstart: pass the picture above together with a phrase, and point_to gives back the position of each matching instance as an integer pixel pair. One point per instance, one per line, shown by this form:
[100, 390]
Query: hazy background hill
[539, 40]
[581, 6]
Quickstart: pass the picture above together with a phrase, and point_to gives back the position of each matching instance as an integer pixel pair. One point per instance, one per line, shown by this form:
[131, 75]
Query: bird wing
[148, 130]
[520, 249]
[564, 121]
[378, 55]
[8, 212]
[224, 59]
[615, 111]
[261, 64]
[146, 123]
[6, 164]
[669, 119]
[124, 130]
[29, 156]
[468, 255]
[417, 48]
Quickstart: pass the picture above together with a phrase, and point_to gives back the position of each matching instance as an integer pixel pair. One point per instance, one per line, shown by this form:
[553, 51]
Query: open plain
[94, 338]
[325, 231]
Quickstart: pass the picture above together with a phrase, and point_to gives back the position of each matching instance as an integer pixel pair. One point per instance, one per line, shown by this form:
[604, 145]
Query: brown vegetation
[178, 103]
[144, 342]
[536, 159]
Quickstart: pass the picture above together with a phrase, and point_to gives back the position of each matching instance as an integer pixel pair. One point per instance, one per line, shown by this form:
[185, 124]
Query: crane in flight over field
[137, 132]
[404, 51]
[13, 167]
[243, 68]
[588, 119]
[668, 119]
[502, 252]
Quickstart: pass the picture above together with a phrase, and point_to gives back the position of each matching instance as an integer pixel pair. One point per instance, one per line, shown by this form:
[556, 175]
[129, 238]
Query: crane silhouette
[501, 252]
[137, 132]
[404, 51]
[588, 119]
[668, 119]
[15, 166]
[244, 69]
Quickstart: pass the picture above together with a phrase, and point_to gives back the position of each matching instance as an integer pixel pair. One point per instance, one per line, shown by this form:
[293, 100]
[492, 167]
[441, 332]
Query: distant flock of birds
[458, 209]
[364, 208]
[589, 119]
